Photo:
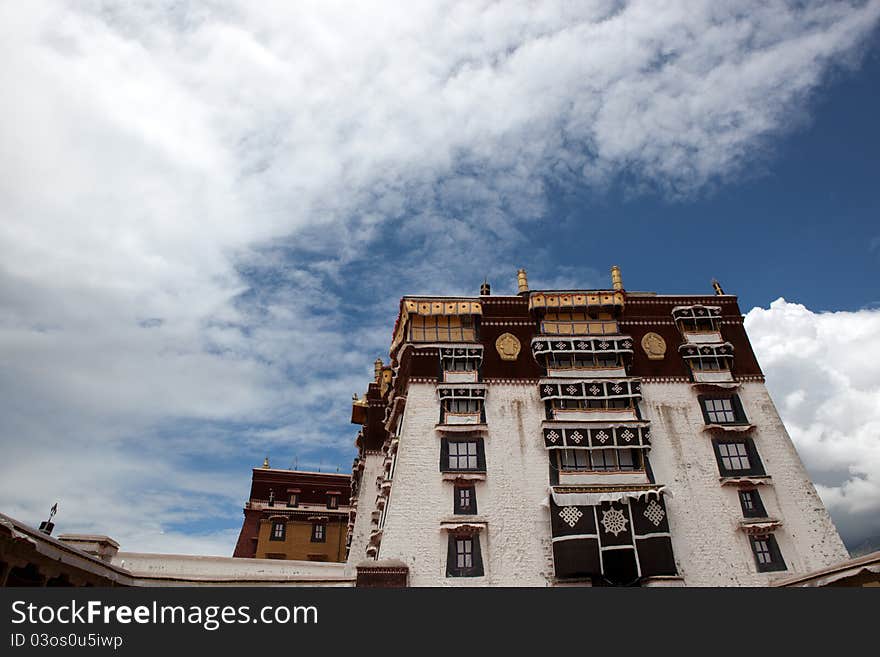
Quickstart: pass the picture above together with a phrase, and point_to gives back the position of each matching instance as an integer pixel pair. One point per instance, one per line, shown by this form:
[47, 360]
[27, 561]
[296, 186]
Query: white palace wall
[704, 516]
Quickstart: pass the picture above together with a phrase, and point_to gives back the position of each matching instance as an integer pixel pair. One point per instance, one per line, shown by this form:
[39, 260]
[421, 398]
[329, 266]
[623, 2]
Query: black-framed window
[453, 364]
[465, 500]
[319, 532]
[294, 500]
[752, 506]
[768, 558]
[278, 531]
[737, 458]
[722, 410]
[710, 363]
[600, 460]
[591, 404]
[332, 501]
[465, 454]
[462, 405]
[464, 558]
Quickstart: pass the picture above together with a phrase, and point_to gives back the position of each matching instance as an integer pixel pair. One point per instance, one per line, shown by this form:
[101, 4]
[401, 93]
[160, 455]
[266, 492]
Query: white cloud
[182, 186]
[823, 369]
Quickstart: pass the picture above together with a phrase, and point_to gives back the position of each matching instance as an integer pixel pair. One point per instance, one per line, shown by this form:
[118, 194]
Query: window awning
[592, 437]
[589, 389]
[621, 344]
[690, 350]
[462, 391]
[696, 312]
[462, 352]
[593, 495]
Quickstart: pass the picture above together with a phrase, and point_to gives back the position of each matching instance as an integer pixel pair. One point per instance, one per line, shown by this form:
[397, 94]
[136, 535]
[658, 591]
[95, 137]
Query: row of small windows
[278, 532]
[594, 404]
[578, 324]
[442, 328]
[599, 460]
[559, 361]
[739, 458]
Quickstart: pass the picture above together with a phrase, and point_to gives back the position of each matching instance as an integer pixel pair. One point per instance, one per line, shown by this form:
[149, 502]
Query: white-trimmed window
[278, 531]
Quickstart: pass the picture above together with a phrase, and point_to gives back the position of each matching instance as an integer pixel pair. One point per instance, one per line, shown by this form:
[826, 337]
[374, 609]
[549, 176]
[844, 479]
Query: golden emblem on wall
[508, 346]
[654, 346]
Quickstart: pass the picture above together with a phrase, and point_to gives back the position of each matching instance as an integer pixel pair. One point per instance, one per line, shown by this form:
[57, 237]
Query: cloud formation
[191, 197]
[823, 370]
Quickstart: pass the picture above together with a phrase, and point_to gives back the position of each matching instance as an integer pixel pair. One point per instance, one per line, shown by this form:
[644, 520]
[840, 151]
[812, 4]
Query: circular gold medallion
[508, 346]
[654, 346]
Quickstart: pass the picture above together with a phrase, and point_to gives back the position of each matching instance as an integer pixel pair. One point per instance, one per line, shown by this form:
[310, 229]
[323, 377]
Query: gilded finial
[522, 281]
[266, 462]
[717, 286]
[616, 278]
[377, 369]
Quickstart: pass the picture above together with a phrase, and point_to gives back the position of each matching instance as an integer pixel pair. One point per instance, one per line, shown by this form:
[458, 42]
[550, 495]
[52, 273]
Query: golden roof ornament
[266, 462]
[717, 286]
[522, 281]
[616, 278]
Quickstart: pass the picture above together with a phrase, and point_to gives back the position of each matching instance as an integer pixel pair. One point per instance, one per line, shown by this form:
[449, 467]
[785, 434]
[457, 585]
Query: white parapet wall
[189, 570]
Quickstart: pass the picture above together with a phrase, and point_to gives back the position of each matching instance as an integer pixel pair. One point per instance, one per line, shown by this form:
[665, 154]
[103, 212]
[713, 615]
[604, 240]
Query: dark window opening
[722, 410]
[464, 558]
[737, 458]
[465, 500]
[752, 506]
[319, 532]
[768, 558]
[462, 455]
[279, 530]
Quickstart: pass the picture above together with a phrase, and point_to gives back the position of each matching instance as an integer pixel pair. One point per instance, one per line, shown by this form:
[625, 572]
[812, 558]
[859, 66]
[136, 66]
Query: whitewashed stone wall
[704, 516]
[710, 549]
[515, 546]
[366, 505]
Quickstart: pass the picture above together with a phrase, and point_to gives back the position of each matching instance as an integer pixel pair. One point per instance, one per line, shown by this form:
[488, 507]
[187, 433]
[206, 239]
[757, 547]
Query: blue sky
[209, 213]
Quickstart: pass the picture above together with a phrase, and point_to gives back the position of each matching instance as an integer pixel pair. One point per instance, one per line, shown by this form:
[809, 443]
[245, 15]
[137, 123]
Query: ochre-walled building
[297, 515]
[578, 437]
